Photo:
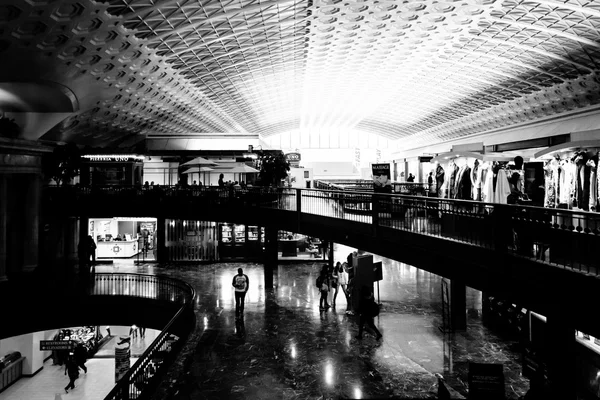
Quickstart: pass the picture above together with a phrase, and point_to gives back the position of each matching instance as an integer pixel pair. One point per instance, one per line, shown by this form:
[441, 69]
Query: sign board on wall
[56, 345]
[382, 181]
[293, 159]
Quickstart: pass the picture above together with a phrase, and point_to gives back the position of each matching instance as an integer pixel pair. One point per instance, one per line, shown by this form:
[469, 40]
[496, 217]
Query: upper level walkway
[544, 258]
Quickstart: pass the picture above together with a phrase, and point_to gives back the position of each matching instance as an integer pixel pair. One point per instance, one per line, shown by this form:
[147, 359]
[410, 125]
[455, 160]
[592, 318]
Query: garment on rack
[476, 181]
[551, 183]
[451, 183]
[439, 180]
[566, 184]
[593, 186]
[464, 187]
[458, 179]
[488, 186]
[502, 188]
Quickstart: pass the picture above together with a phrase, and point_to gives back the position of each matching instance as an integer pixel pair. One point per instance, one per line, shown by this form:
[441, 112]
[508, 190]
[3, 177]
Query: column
[161, 253]
[458, 305]
[330, 253]
[270, 256]
[560, 355]
[3, 223]
[31, 237]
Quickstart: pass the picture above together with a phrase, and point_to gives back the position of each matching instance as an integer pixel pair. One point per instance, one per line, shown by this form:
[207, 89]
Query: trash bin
[308, 184]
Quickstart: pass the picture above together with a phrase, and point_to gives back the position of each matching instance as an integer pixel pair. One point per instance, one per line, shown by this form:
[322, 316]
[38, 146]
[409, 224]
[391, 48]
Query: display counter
[117, 249]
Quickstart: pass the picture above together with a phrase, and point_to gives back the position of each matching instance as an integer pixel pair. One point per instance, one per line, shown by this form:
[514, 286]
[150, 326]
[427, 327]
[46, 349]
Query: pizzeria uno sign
[293, 157]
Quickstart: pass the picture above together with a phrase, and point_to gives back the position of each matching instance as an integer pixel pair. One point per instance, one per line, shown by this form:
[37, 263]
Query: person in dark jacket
[366, 306]
[80, 356]
[72, 370]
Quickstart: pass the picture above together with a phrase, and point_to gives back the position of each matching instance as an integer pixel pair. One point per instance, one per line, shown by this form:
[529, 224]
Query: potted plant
[63, 164]
[9, 128]
[273, 168]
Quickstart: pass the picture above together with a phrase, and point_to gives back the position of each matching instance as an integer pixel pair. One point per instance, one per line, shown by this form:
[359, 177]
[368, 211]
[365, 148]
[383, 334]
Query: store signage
[486, 381]
[293, 159]
[56, 345]
[115, 158]
[382, 181]
[377, 271]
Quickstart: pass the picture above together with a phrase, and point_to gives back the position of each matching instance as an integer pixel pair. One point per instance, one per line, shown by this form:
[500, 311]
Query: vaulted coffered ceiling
[420, 71]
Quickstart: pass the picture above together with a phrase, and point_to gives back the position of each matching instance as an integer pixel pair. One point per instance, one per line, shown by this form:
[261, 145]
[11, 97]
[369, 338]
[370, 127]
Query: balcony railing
[561, 237]
[149, 367]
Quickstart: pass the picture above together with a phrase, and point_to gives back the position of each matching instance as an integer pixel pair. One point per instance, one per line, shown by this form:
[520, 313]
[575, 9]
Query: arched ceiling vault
[421, 71]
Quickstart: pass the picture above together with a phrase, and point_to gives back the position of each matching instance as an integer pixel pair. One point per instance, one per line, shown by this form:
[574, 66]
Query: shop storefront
[120, 237]
[241, 241]
[191, 240]
[571, 179]
[117, 170]
[89, 337]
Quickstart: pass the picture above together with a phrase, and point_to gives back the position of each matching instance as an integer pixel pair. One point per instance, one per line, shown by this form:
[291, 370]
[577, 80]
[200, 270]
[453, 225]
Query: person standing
[221, 182]
[368, 310]
[335, 276]
[343, 282]
[91, 251]
[323, 285]
[240, 283]
[72, 370]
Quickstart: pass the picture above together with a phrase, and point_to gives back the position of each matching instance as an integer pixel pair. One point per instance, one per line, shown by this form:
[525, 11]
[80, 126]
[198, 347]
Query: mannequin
[476, 180]
[439, 179]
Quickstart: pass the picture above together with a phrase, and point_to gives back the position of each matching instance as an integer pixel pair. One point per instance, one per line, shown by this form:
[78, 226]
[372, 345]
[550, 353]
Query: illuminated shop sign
[292, 156]
[114, 158]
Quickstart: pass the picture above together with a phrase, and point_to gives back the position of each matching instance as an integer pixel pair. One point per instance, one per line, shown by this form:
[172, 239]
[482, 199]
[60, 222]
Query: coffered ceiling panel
[421, 71]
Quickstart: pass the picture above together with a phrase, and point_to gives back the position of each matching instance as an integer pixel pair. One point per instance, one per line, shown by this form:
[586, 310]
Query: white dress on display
[488, 186]
[502, 188]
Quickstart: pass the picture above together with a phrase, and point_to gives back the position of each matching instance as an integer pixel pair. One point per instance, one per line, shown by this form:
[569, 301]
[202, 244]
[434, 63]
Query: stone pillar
[3, 223]
[458, 305]
[270, 256]
[31, 239]
[560, 355]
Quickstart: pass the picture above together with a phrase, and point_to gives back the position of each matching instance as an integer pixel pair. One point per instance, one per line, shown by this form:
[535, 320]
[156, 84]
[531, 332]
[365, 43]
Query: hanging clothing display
[502, 189]
[593, 186]
[551, 183]
[463, 190]
[476, 181]
[566, 183]
[452, 181]
[488, 186]
[439, 180]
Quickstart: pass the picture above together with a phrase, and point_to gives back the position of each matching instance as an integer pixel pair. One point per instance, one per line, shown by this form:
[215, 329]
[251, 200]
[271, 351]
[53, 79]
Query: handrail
[144, 369]
[523, 230]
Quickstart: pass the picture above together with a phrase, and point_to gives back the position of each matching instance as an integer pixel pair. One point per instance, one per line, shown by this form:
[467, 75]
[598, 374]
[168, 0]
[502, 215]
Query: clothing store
[466, 174]
[571, 176]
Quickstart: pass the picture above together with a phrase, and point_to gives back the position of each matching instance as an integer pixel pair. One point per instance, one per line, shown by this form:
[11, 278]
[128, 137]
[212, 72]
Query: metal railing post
[375, 214]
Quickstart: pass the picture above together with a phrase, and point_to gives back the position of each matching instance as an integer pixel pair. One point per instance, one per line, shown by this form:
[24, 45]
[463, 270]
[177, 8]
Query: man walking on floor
[241, 284]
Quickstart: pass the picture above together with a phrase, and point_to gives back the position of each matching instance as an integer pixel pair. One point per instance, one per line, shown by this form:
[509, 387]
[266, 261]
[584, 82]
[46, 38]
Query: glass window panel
[324, 139]
[285, 140]
[334, 139]
[295, 140]
[304, 139]
[314, 139]
[343, 136]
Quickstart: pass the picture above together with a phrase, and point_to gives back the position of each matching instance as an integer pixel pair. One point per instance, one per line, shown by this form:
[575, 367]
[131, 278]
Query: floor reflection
[283, 347]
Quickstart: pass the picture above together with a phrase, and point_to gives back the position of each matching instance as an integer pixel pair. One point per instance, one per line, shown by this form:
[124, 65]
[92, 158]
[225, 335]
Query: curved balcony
[527, 253]
[156, 302]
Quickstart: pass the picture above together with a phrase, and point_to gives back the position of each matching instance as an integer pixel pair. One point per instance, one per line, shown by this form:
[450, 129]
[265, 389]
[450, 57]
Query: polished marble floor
[285, 348]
